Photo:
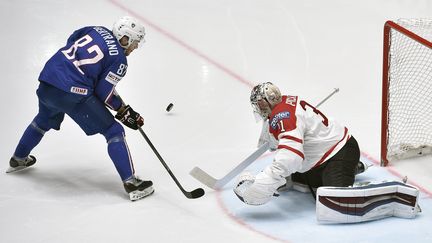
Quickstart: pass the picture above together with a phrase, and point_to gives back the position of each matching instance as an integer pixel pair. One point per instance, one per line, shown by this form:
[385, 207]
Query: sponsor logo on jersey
[279, 116]
[113, 78]
[78, 90]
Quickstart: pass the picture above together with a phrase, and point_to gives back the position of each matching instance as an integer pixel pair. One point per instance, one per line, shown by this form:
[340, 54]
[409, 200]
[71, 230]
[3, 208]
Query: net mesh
[410, 96]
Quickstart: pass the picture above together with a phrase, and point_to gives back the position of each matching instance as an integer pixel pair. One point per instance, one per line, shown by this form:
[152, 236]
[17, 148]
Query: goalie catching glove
[129, 117]
[257, 190]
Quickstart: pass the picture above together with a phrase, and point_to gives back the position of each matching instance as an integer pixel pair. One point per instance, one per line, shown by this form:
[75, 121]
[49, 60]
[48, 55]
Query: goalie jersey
[92, 62]
[307, 138]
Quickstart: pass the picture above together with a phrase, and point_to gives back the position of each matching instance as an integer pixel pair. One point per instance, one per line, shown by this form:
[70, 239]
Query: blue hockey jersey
[91, 63]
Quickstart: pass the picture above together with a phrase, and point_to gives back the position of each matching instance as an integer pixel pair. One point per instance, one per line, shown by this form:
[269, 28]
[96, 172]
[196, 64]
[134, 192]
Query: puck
[169, 107]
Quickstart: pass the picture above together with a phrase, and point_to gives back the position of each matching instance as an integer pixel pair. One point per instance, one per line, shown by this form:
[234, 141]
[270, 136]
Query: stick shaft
[199, 192]
[328, 96]
[215, 184]
[192, 194]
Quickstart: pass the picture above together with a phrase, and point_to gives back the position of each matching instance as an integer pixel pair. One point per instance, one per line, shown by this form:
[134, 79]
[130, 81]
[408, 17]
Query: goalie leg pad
[366, 203]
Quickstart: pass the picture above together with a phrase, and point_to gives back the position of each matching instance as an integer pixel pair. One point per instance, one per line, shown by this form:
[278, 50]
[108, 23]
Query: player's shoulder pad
[285, 110]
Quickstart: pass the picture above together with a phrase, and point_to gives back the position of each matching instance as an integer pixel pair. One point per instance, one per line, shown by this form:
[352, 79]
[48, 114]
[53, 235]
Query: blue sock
[31, 137]
[119, 154]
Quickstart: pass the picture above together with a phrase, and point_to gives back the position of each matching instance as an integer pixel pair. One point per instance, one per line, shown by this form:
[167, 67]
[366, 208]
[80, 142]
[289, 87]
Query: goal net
[406, 129]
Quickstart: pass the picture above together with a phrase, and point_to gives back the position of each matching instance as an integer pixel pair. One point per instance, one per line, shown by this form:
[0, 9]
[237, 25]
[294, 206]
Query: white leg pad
[366, 203]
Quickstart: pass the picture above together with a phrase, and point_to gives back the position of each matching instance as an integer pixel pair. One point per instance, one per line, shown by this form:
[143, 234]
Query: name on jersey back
[110, 41]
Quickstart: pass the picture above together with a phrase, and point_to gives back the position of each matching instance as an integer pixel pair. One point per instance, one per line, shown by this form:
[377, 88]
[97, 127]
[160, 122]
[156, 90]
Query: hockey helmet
[130, 27]
[264, 97]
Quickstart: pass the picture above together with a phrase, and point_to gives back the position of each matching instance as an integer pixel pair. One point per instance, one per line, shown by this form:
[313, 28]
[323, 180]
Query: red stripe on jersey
[291, 149]
[322, 160]
[298, 140]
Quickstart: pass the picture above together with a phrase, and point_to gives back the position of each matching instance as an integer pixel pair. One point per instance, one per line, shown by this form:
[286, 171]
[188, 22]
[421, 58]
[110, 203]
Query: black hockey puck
[169, 107]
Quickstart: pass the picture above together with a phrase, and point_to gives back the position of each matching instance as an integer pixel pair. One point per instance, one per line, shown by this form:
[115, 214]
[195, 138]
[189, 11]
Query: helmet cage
[263, 98]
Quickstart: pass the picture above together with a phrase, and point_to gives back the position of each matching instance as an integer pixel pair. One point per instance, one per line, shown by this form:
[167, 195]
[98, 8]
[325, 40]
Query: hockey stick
[328, 96]
[216, 184]
[199, 192]
[211, 182]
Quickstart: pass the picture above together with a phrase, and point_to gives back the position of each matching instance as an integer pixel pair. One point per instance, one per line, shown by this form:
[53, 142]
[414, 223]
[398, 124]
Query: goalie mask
[130, 27]
[264, 97]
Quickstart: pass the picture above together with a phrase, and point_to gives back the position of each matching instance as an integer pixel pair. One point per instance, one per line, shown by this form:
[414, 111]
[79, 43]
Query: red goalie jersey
[307, 138]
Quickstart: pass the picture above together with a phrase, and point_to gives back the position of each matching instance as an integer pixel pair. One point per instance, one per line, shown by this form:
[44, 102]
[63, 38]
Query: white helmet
[264, 97]
[130, 27]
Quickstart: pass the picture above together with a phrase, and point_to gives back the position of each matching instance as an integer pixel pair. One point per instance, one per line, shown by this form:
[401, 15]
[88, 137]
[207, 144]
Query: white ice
[203, 56]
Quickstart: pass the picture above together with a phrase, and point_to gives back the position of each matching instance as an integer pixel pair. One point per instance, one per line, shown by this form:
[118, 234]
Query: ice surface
[204, 56]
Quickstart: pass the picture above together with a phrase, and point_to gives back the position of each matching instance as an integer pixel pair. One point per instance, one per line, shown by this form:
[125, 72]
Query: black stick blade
[197, 193]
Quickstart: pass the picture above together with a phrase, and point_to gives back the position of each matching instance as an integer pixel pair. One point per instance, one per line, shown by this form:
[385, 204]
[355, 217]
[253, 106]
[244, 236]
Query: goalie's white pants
[366, 203]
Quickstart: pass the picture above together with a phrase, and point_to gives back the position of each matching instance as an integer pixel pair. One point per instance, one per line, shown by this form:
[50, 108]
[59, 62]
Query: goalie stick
[211, 182]
[216, 184]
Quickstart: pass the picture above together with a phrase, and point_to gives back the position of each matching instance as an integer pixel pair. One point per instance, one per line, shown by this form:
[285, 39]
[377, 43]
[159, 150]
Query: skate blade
[137, 195]
[14, 169]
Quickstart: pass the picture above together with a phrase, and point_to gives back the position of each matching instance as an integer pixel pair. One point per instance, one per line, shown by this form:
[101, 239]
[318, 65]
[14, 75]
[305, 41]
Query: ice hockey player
[311, 148]
[314, 150]
[79, 80]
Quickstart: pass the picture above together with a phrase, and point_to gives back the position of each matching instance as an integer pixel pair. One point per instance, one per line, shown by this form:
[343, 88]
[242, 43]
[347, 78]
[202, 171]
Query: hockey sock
[119, 154]
[31, 137]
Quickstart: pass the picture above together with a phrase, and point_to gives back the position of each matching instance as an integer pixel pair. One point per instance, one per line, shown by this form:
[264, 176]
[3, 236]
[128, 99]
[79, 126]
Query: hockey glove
[256, 190]
[244, 181]
[129, 117]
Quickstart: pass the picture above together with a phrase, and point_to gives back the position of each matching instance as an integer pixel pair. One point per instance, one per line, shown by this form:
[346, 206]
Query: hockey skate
[293, 185]
[17, 164]
[361, 167]
[137, 188]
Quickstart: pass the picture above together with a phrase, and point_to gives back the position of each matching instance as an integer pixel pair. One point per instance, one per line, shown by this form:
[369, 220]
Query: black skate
[361, 167]
[20, 164]
[137, 188]
[300, 186]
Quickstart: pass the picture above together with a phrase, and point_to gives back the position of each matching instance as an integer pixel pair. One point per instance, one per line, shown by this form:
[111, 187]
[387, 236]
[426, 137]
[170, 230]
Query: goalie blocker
[366, 203]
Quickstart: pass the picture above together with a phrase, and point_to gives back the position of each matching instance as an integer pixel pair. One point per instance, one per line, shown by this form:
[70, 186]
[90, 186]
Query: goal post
[406, 122]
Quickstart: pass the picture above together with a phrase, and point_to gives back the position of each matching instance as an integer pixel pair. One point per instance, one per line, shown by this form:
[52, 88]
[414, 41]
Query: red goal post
[406, 123]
